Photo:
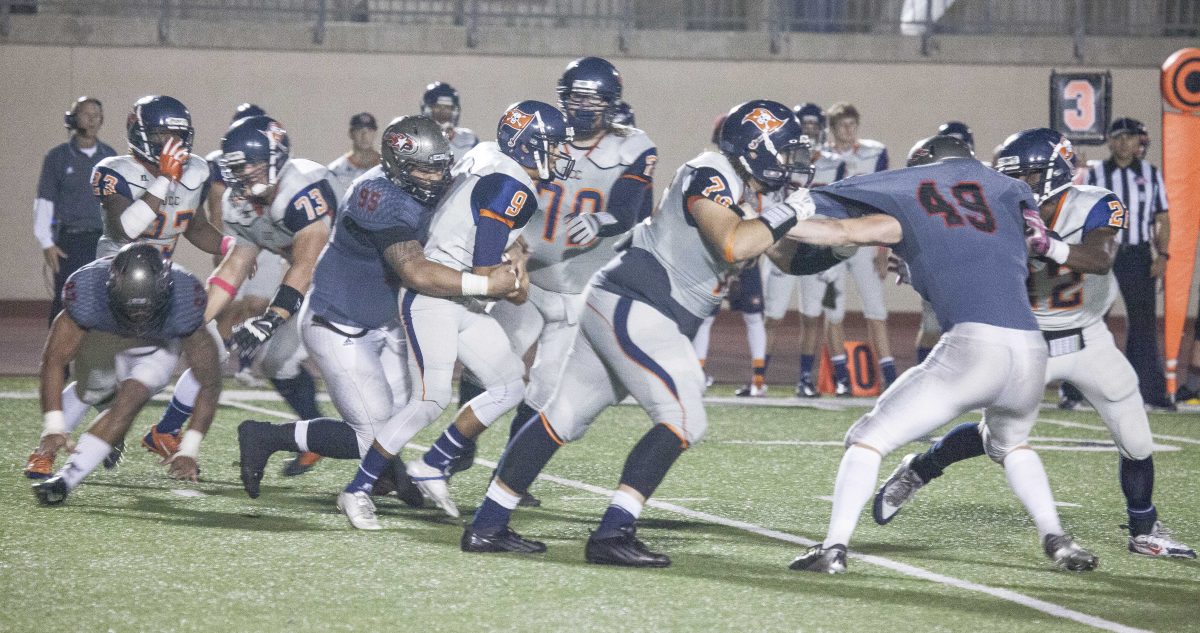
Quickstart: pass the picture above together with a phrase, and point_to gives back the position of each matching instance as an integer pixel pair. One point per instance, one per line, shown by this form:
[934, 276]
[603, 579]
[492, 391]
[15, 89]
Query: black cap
[363, 119]
[1126, 125]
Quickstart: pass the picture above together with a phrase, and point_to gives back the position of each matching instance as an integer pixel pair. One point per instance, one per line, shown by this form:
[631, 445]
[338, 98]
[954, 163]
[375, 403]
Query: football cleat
[751, 391]
[505, 540]
[1158, 542]
[162, 444]
[1161, 405]
[50, 492]
[358, 507]
[805, 388]
[253, 451]
[1061, 549]
[300, 464]
[396, 480]
[433, 484]
[898, 490]
[708, 380]
[39, 465]
[623, 549]
[842, 389]
[246, 378]
[114, 457]
[529, 501]
[465, 460]
[1183, 395]
[822, 560]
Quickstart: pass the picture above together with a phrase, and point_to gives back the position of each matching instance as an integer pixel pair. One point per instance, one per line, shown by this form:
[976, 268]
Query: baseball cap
[1126, 125]
[363, 119]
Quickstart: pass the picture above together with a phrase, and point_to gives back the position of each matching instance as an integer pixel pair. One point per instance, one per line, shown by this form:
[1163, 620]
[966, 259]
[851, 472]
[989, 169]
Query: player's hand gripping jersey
[303, 196]
[128, 177]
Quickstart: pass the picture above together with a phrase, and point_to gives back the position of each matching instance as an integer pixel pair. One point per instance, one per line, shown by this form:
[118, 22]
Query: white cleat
[1159, 543]
[1065, 553]
[246, 378]
[433, 484]
[751, 391]
[898, 490]
[358, 507]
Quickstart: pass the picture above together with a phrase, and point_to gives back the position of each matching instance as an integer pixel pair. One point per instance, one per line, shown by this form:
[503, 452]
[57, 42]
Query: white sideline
[1048, 608]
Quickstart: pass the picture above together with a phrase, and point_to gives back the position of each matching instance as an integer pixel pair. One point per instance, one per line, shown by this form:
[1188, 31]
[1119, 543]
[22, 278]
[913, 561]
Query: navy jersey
[352, 283]
[964, 235]
[85, 298]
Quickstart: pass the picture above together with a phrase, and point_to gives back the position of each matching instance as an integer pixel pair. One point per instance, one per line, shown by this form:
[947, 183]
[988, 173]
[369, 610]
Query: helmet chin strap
[543, 164]
[259, 189]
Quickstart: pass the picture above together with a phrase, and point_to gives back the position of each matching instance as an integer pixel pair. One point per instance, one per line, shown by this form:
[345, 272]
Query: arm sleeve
[632, 196]
[499, 203]
[43, 216]
[107, 181]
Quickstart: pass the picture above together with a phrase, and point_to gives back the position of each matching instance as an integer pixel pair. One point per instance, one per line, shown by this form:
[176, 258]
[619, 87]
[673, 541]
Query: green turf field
[128, 552]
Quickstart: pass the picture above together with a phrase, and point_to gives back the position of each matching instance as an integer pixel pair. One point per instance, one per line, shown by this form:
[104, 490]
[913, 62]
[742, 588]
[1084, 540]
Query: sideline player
[440, 102]
[935, 217]
[361, 157]
[149, 311]
[634, 333]
[491, 199]
[1071, 288]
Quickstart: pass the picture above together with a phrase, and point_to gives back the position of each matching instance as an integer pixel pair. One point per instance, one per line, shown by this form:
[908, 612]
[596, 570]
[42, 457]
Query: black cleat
[505, 540]
[529, 501]
[114, 457]
[1062, 549]
[405, 489]
[254, 451]
[822, 560]
[463, 461]
[50, 492]
[624, 549]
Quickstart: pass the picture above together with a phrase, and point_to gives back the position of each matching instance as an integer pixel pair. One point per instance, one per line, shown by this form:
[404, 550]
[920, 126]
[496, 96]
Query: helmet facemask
[775, 167]
[248, 180]
[425, 182]
[587, 110]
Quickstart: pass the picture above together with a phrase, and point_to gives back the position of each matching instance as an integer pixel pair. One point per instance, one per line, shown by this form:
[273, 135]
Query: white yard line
[1048, 608]
[1074, 444]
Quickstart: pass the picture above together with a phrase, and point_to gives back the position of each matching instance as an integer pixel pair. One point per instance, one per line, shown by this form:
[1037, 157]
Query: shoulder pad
[107, 181]
[188, 300]
[634, 144]
[195, 173]
[870, 144]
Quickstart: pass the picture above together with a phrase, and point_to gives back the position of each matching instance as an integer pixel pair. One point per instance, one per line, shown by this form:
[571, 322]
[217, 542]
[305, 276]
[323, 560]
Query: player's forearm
[821, 233]
[298, 277]
[1091, 261]
[432, 279]
[749, 238]
[227, 278]
[1162, 233]
[204, 236]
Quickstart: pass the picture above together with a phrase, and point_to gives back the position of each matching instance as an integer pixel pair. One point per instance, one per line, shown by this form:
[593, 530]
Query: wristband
[288, 298]
[223, 285]
[159, 187]
[189, 444]
[53, 423]
[227, 243]
[1058, 251]
[780, 228]
[136, 217]
[474, 285]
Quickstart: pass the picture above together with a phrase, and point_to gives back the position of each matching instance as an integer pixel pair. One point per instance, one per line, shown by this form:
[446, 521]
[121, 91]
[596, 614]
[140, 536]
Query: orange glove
[172, 159]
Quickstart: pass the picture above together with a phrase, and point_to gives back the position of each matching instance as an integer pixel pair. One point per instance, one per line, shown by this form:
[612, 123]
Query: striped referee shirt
[1140, 186]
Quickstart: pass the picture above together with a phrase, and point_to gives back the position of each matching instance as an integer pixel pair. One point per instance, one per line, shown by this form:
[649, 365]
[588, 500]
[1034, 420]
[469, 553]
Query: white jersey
[1063, 299]
[487, 185]
[558, 264]
[828, 168]
[462, 140]
[342, 172]
[866, 157]
[303, 195]
[129, 177]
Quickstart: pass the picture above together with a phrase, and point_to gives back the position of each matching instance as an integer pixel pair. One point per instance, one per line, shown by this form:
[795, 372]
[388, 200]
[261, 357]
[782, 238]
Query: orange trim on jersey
[484, 213]
[550, 431]
[691, 199]
[637, 178]
[682, 439]
[728, 253]
[1057, 209]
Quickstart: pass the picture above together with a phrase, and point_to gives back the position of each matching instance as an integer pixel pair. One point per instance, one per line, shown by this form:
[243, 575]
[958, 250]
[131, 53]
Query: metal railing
[926, 18]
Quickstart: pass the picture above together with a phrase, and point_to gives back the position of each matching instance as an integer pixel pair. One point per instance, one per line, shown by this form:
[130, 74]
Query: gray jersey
[598, 183]
[85, 298]
[668, 264]
[128, 177]
[303, 195]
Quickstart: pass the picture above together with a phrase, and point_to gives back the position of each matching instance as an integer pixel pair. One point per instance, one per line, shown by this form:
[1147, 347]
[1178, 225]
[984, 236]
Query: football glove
[248, 336]
[172, 159]
[585, 227]
[1037, 237]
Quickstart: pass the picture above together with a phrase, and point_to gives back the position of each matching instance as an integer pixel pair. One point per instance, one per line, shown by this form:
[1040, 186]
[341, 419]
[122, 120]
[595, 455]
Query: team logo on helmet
[276, 135]
[401, 143]
[1065, 149]
[764, 120]
[517, 120]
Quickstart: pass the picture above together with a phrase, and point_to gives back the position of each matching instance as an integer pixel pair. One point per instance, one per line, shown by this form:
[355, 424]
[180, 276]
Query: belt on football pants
[1061, 342]
[325, 323]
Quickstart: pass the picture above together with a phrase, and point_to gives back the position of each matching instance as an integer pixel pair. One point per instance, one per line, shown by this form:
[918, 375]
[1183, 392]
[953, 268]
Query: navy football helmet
[1040, 151]
[812, 121]
[588, 92]
[938, 147]
[623, 114]
[958, 130]
[154, 118]
[139, 288]
[441, 94]
[253, 152]
[247, 109]
[530, 132]
[764, 139]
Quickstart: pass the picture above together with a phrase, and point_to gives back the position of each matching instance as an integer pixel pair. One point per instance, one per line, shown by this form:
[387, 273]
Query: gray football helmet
[417, 142]
[935, 148]
[139, 288]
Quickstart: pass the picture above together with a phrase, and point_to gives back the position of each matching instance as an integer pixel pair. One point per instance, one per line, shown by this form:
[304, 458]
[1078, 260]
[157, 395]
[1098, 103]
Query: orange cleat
[301, 464]
[162, 444]
[40, 465]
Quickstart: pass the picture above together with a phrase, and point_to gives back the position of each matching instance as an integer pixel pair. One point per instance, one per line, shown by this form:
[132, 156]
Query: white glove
[583, 228]
[802, 203]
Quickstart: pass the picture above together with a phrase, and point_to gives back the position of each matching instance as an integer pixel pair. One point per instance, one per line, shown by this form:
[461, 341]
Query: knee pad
[993, 448]
[867, 431]
[498, 400]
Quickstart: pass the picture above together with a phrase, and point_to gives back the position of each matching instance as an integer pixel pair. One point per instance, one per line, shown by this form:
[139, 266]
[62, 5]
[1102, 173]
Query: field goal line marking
[1048, 608]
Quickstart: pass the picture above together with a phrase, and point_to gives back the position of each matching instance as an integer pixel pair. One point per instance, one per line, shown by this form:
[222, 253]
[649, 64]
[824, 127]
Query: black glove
[248, 336]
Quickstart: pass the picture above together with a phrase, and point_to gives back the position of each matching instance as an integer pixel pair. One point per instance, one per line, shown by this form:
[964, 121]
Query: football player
[635, 330]
[490, 200]
[440, 102]
[991, 356]
[361, 157]
[1071, 287]
[144, 311]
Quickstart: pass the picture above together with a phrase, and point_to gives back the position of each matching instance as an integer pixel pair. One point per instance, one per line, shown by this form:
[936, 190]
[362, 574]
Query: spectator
[67, 220]
[1142, 255]
[362, 156]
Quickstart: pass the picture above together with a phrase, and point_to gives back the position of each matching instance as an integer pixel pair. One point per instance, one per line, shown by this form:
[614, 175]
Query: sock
[650, 459]
[467, 390]
[622, 511]
[527, 454]
[759, 368]
[300, 393]
[806, 364]
[887, 365]
[840, 372]
[1137, 482]
[89, 452]
[74, 409]
[1027, 478]
[756, 338]
[187, 388]
[372, 465]
[922, 353]
[962, 442]
[854, 486]
[700, 340]
[493, 514]
[447, 448]
[327, 437]
[524, 414]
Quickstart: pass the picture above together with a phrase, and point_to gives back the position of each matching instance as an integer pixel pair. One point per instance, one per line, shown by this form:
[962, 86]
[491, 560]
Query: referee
[66, 216]
[1142, 256]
